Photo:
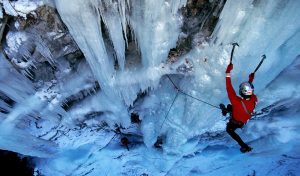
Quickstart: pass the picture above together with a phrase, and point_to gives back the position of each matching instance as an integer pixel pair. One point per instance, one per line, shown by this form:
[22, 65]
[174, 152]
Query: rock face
[199, 20]
[36, 45]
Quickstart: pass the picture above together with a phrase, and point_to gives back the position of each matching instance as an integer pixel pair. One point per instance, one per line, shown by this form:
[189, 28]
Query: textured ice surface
[274, 137]
[253, 24]
[260, 27]
[155, 30]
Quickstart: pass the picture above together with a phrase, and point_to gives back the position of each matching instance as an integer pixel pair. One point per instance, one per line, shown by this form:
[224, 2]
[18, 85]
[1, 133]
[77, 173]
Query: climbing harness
[245, 109]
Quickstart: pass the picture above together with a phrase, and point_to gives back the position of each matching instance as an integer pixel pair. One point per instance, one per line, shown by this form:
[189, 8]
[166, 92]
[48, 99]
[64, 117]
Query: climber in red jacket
[241, 108]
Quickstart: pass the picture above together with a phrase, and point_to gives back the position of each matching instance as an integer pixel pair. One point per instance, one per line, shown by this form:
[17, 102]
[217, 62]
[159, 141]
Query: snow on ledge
[21, 7]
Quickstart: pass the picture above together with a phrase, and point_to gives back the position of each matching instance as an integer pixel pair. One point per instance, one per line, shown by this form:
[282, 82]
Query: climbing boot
[245, 149]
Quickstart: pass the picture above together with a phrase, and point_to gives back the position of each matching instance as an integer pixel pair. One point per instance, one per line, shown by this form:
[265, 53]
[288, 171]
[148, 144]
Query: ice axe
[233, 46]
[262, 60]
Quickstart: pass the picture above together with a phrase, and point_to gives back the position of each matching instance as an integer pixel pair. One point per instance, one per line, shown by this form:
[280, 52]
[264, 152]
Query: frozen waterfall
[69, 96]
[270, 28]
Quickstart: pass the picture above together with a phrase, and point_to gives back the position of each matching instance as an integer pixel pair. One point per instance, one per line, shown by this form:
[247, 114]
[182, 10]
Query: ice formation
[74, 115]
[21, 7]
[155, 29]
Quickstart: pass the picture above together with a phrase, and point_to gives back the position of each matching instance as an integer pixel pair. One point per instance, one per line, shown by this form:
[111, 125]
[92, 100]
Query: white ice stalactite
[114, 22]
[156, 26]
[155, 30]
[84, 23]
[17, 87]
[86, 29]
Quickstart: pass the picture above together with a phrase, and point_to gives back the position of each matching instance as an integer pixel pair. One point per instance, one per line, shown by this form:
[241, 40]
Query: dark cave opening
[12, 163]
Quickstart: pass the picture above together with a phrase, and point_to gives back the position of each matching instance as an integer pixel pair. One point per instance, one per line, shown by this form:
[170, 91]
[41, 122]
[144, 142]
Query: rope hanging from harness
[180, 91]
[205, 102]
[166, 116]
[191, 95]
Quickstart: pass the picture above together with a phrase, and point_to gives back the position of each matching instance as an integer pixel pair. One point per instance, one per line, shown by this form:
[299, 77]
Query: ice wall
[260, 27]
[16, 99]
[18, 140]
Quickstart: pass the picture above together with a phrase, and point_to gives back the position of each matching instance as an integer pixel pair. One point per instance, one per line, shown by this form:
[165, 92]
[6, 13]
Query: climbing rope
[166, 116]
[182, 92]
[179, 90]
[199, 100]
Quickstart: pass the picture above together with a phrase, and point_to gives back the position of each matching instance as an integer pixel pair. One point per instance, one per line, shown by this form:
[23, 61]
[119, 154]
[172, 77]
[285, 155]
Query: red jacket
[238, 112]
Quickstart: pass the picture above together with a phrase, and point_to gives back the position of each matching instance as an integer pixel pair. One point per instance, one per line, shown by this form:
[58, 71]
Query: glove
[251, 77]
[223, 108]
[229, 68]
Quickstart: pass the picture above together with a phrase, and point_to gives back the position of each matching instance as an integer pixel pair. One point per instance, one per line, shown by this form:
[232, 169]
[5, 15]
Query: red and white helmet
[246, 89]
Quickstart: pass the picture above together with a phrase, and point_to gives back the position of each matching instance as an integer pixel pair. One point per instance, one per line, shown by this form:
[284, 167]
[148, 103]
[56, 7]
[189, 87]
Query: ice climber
[241, 107]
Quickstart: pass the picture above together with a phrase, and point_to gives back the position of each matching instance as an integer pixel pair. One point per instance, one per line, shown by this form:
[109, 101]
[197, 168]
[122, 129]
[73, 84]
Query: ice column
[154, 24]
[83, 21]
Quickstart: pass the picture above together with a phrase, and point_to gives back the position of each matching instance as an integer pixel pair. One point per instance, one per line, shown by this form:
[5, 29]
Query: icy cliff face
[77, 83]
[156, 30]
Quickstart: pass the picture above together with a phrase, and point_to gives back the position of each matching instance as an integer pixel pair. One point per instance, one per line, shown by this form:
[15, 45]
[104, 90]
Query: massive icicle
[85, 27]
[156, 27]
[155, 30]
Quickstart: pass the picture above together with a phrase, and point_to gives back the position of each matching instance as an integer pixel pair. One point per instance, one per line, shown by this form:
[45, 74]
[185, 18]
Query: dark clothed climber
[241, 107]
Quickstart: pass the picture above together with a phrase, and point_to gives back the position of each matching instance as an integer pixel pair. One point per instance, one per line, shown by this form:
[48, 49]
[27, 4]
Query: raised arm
[230, 90]
[251, 77]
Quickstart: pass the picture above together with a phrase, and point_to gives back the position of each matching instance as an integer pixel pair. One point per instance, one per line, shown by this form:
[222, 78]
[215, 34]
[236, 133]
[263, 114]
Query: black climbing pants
[232, 125]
